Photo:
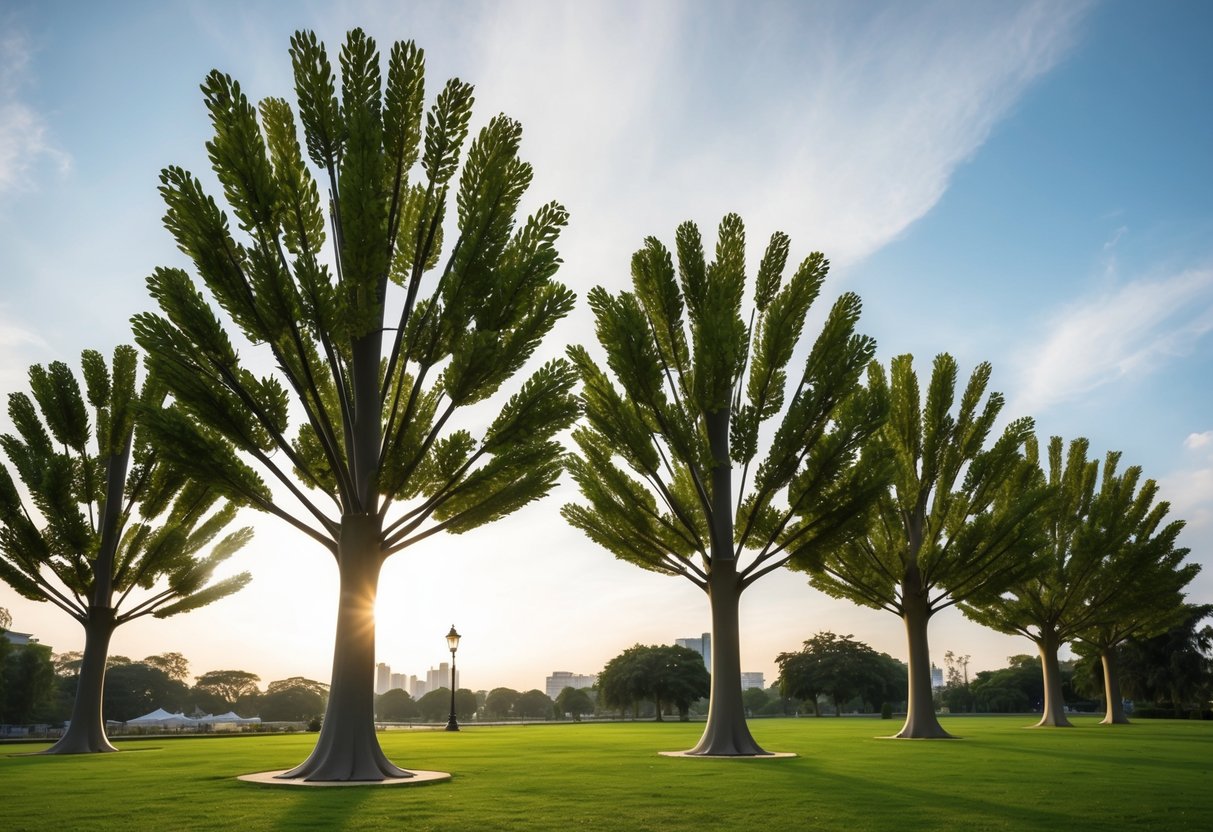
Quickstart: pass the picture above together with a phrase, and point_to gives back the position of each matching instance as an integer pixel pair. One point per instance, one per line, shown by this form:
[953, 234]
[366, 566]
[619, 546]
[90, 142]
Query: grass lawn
[1149, 775]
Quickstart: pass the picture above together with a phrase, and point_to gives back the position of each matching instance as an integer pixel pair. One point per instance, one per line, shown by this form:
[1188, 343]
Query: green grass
[1150, 775]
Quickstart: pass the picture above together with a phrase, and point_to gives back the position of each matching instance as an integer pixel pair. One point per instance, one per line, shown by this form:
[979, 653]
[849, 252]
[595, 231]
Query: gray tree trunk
[347, 748]
[1115, 713]
[921, 721]
[86, 732]
[726, 733]
[1054, 714]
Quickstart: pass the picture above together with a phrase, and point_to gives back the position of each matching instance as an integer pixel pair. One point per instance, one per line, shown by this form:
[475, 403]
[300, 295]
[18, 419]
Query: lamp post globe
[452, 641]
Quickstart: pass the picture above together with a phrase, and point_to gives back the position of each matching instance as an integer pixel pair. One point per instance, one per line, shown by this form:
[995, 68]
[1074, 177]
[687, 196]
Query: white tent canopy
[163, 719]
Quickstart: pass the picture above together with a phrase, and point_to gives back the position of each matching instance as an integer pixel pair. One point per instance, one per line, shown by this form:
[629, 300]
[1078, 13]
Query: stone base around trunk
[767, 755]
[419, 778]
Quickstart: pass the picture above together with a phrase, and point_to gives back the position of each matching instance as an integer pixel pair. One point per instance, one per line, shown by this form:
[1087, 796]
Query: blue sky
[1024, 183]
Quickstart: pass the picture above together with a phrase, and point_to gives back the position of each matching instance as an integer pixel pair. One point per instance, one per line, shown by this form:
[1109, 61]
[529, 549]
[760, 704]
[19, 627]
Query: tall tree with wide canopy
[375, 342]
[1098, 538]
[696, 382]
[1147, 599]
[108, 516]
[956, 524]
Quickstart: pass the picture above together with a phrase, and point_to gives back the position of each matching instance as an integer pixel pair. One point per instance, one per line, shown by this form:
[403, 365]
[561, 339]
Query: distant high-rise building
[701, 645]
[561, 679]
[440, 677]
[750, 679]
[399, 680]
[416, 687]
[383, 678]
[937, 677]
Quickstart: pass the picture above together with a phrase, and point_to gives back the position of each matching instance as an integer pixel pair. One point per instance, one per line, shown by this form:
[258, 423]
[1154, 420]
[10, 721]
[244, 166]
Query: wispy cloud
[1127, 331]
[841, 127]
[1199, 440]
[24, 138]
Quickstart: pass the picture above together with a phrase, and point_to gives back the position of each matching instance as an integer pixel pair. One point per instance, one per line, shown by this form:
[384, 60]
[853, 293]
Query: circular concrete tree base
[770, 755]
[419, 778]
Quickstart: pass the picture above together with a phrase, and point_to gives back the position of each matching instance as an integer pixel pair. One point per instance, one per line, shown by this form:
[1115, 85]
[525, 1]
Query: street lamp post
[452, 641]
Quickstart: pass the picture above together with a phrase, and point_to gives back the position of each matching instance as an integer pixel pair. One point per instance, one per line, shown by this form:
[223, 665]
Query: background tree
[1175, 668]
[27, 684]
[1096, 541]
[956, 694]
[1147, 600]
[755, 699]
[676, 676]
[1014, 689]
[622, 684]
[117, 519]
[134, 689]
[396, 706]
[380, 461]
[6, 619]
[227, 686]
[435, 706]
[175, 665]
[841, 668]
[666, 675]
[298, 683]
[696, 383]
[500, 702]
[954, 526]
[292, 700]
[575, 702]
[534, 704]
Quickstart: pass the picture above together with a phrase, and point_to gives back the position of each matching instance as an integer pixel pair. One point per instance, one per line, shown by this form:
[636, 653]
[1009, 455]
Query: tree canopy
[1101, 532]
[380, 327]
[841, 668]
[956, 524]
[662, 674]
[692, 382]
[228, 685]
[124, 532]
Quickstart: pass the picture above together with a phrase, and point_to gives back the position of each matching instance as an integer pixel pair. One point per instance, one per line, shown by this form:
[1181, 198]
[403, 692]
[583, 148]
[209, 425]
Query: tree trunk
[726, 733]
[86, 731]
[347, 748]
[1055, 703]
[921, 721]
[1115, 712]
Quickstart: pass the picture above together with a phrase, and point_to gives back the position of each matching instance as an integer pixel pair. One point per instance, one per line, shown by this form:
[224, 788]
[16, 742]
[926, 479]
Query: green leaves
[98, 538]
[376, 395]
[681, 354]
[940, 539]
[446, 127]
[315, 86]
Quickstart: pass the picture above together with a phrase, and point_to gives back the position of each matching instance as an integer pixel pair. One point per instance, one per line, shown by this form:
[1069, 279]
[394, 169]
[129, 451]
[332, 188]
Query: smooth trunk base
[904, 735]
[80, 745]
[415, 777]
[762, 755]
[1111, 720]
[1052, 722]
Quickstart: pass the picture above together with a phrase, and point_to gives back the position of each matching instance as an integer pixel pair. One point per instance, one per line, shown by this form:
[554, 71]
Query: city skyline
[1020, 183]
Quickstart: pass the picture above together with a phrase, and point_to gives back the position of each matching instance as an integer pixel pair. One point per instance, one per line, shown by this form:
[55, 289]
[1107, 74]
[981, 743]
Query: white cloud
[24, 138]
[1120, 333]
[1196, 441]
[841, 128]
